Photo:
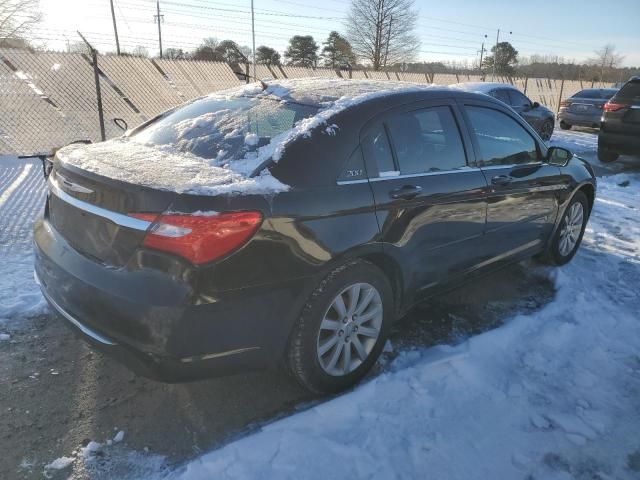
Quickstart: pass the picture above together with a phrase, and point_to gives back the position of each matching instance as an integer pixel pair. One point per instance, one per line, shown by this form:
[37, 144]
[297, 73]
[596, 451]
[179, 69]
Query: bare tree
[607, 59]
[140, 51]
[17, 17]
[381, 32]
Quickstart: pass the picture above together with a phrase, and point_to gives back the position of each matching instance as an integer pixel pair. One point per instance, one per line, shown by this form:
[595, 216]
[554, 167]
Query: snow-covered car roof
[172, 164]
[481, 87]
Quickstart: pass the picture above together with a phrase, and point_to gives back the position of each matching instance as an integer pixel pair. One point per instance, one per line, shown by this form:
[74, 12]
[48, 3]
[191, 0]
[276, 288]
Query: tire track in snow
[15, 184]
[21, 212]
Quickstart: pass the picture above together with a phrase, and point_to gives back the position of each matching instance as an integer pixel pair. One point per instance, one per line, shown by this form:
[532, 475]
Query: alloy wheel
[350, 329]
[571, 228]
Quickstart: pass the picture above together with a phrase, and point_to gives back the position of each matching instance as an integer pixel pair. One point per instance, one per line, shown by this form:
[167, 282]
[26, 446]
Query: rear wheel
[546, 130]
[605, 155]
[564, 125]
[342, 329]
[568, 237]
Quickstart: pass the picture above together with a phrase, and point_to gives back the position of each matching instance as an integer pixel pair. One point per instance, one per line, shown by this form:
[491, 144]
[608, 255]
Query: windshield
[223, 128]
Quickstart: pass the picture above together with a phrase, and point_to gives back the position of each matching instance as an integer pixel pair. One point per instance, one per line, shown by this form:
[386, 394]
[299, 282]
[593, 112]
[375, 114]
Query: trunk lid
[91, 213]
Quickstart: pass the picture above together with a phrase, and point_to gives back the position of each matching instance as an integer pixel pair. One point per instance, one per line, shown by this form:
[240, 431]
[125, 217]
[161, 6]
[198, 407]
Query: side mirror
[558, 156]
[535, 105]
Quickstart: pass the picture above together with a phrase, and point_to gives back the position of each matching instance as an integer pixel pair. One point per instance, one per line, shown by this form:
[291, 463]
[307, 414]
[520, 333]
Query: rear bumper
[627, 144]
[151, 322]
[582, 120]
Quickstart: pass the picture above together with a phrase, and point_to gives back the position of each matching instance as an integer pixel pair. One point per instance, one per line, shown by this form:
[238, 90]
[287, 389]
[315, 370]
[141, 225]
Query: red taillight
[565, 103]
[199, 238]
[614, 107]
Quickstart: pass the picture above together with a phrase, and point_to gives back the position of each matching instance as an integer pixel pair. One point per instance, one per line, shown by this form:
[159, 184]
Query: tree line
[379, 35]
[302, 51]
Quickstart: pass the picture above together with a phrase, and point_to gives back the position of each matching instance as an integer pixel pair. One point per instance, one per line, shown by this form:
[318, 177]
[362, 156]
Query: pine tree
[337, 52]
[302, 51]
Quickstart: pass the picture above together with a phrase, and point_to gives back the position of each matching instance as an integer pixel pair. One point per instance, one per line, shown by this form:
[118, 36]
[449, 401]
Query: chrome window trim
[115, 217]
[410, 175]
[351, 182]
[83, 328]
[426, 174]
[512, 165]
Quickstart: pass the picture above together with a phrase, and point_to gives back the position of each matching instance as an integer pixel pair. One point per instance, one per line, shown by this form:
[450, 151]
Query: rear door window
[426, 141]
[518, 99]
[589, 93]
[630, 93]
[377, 148]
[501, 139]
[501, 94]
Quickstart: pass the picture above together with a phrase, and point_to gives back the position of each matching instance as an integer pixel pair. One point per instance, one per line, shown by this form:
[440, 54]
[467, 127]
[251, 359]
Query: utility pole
[386, 51]
[481, 54]
[115, 27]
[159, 18]
[253, 39]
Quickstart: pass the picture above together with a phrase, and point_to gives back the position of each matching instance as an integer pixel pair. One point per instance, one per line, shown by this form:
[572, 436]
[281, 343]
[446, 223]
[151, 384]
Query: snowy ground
[549, 395]
[21, 199]
[523, 381]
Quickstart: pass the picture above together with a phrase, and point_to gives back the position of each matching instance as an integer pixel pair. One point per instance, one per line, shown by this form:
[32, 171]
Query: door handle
[501, 180]
[406, 192]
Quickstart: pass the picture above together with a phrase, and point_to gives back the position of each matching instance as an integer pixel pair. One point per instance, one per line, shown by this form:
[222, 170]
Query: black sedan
[292, 223]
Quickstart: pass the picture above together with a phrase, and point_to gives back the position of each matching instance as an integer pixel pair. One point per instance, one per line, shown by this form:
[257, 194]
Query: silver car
[584, 109]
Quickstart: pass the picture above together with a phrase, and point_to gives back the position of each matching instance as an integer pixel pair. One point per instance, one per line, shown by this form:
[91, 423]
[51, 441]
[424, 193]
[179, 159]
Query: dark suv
[358, 200]
[620, 125]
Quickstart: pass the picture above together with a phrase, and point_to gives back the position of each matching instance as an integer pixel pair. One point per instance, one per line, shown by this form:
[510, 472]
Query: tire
[605, 155]
[306, 364]
[564, 125]
[557, 253]
[546, 131]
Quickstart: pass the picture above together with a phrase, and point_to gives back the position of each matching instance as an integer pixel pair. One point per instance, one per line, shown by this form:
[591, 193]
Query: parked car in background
[620, 125]
[538, 116]
[584, 109]
[293, 224]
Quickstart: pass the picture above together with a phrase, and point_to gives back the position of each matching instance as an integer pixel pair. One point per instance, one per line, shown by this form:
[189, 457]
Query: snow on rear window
[223, 129]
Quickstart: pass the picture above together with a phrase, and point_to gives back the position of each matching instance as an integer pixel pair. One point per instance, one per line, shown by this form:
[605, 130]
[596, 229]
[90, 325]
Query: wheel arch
[393, 272]
[589, 190]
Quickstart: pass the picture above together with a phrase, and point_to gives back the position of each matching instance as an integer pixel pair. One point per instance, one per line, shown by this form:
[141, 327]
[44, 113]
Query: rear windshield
[595, 93]
[223, 128]
[630, 92]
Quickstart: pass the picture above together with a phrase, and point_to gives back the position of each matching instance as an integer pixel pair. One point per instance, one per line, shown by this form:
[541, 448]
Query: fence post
[96, 76]
[560, 97]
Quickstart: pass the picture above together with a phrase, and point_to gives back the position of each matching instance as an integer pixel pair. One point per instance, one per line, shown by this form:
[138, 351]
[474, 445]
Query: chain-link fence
[50, 99]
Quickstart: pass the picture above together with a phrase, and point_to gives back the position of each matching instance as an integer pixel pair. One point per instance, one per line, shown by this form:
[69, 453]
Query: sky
[448, 29]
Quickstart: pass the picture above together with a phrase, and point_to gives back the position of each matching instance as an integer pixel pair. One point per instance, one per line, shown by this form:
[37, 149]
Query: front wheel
[568, 237]
[342, 329]
[546, 130]
[564, 125]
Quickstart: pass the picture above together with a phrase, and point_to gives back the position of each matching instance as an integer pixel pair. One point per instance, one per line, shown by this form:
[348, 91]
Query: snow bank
[59, 463]
[550, 395]
[170, 167]
[22, 195]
